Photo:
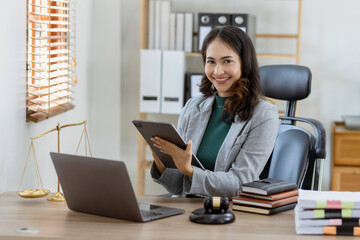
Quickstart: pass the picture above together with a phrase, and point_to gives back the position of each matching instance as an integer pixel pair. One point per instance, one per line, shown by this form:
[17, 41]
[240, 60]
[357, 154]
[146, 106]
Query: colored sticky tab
[349, 205]
[346, 213]
[320, 204]
[356, 231]
[330, 230]
[319, 213]
[335, 222]
[333, 204]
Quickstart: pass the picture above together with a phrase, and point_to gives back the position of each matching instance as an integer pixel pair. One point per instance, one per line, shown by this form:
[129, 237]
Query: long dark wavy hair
[246, 91]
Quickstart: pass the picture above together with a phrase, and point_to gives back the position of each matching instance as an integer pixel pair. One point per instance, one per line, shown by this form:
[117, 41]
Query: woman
[230, 128]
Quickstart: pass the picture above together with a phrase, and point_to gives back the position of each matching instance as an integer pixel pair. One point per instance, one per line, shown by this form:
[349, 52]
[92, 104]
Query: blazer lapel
[234, 131]
[200, 121]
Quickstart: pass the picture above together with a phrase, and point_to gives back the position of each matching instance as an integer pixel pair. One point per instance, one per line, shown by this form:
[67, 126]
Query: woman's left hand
[182, 158]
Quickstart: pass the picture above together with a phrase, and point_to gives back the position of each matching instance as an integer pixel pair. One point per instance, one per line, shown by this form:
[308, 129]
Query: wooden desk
[56, 221]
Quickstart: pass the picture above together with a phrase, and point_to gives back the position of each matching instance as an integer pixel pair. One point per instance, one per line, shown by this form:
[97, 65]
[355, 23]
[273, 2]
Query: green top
[214, 135]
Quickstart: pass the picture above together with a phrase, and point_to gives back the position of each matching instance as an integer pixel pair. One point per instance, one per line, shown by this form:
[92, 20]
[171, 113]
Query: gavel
[216, 204]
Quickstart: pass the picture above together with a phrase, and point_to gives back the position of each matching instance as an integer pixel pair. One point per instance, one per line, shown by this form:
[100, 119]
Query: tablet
[166, 131]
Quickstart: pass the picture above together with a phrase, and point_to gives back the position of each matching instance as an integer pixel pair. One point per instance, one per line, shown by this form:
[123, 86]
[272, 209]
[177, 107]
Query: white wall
[104, 78]
[98, 70]
[329, 47]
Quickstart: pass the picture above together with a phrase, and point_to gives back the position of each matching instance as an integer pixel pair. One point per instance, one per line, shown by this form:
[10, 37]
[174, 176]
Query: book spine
[329, 213]
[348, 222]
[349, 231]
[329, 230]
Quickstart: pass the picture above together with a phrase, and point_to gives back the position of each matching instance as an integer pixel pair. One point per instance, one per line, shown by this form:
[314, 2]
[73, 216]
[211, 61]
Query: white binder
[179, 44]
[157, 36]
[165, 25]
[173, 73]
[188, 32]
[150, 80]
[172, 31]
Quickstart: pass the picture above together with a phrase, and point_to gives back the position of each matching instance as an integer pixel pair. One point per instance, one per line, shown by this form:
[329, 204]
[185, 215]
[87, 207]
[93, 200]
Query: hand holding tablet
[166, 131]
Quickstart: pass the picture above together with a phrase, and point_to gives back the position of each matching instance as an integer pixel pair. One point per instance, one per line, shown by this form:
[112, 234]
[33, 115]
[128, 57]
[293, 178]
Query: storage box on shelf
[345, 158]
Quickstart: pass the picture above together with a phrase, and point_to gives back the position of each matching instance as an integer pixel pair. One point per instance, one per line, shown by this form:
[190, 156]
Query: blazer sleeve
[249, 161]
[172, 179]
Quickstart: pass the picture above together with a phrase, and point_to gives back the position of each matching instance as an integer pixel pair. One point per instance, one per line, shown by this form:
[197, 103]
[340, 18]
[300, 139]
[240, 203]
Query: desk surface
[55, 220]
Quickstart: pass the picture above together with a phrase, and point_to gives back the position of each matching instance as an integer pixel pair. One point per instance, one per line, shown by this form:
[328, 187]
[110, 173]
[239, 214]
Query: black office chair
[298, 155]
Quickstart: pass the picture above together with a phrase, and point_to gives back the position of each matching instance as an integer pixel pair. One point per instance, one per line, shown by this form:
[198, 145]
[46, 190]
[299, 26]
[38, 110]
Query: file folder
[172, 89]
[180, 22]
[222, 19]
[188, 32]
[205, 26]
[151, 28]
[157, 34]
[247, 23]
[165, 25]
[172, 31]
[150, 80]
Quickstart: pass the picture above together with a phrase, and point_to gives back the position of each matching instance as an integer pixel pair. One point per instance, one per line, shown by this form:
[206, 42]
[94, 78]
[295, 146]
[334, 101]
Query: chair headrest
[285, 82]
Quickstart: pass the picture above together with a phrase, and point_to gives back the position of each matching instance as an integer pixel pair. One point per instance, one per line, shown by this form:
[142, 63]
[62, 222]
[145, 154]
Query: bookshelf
[145, 164]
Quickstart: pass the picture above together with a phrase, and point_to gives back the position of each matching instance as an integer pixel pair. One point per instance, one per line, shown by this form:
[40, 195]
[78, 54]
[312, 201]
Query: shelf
[147, 164]
[263, 55]
[193, 54]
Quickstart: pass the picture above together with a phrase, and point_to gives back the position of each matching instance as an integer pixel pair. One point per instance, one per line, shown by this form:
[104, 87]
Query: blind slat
[50, 57]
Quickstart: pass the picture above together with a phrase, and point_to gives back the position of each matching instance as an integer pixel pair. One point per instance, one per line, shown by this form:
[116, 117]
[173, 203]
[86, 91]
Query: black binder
[245, 22]
[222, 19]
[206, 21]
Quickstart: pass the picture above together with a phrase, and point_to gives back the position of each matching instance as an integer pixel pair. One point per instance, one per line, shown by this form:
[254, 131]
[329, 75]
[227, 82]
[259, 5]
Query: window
[50, 58]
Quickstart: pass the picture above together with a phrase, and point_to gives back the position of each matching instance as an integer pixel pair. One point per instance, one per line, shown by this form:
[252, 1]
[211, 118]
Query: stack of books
[328, 212]
[266, 196]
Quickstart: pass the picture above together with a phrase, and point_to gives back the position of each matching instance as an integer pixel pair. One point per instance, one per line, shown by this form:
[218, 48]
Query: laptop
[102, 187]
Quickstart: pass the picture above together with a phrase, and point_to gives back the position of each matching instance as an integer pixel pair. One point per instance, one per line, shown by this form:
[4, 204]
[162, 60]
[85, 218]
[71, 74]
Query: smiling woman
[236, 61]
[222, 67]
[229, 128]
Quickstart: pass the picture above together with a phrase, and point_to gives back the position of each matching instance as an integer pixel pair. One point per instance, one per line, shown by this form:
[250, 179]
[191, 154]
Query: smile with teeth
[221, 80]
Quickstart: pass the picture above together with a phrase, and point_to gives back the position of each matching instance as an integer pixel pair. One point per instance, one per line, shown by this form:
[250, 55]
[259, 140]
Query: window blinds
[50, 57]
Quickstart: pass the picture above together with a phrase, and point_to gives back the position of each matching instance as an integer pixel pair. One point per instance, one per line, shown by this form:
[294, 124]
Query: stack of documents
[266, 196]
[328, 212]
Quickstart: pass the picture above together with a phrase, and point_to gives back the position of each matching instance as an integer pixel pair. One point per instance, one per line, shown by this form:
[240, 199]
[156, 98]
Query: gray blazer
[241, 157]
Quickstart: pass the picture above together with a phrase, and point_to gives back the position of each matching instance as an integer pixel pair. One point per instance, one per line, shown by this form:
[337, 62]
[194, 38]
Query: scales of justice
[40, 191]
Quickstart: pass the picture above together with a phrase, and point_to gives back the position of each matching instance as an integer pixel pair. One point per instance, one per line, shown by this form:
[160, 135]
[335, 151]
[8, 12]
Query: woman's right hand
[159, 165]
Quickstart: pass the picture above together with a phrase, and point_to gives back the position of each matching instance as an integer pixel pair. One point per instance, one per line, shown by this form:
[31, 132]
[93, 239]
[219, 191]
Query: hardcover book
[265, 211]
[268, 186]
[272, 197]
[263, 203]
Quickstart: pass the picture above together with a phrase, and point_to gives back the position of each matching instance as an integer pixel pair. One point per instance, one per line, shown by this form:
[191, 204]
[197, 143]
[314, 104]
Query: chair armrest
[320, 134]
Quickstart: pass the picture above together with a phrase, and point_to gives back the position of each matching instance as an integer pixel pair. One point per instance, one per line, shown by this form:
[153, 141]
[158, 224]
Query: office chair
[298, 155]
